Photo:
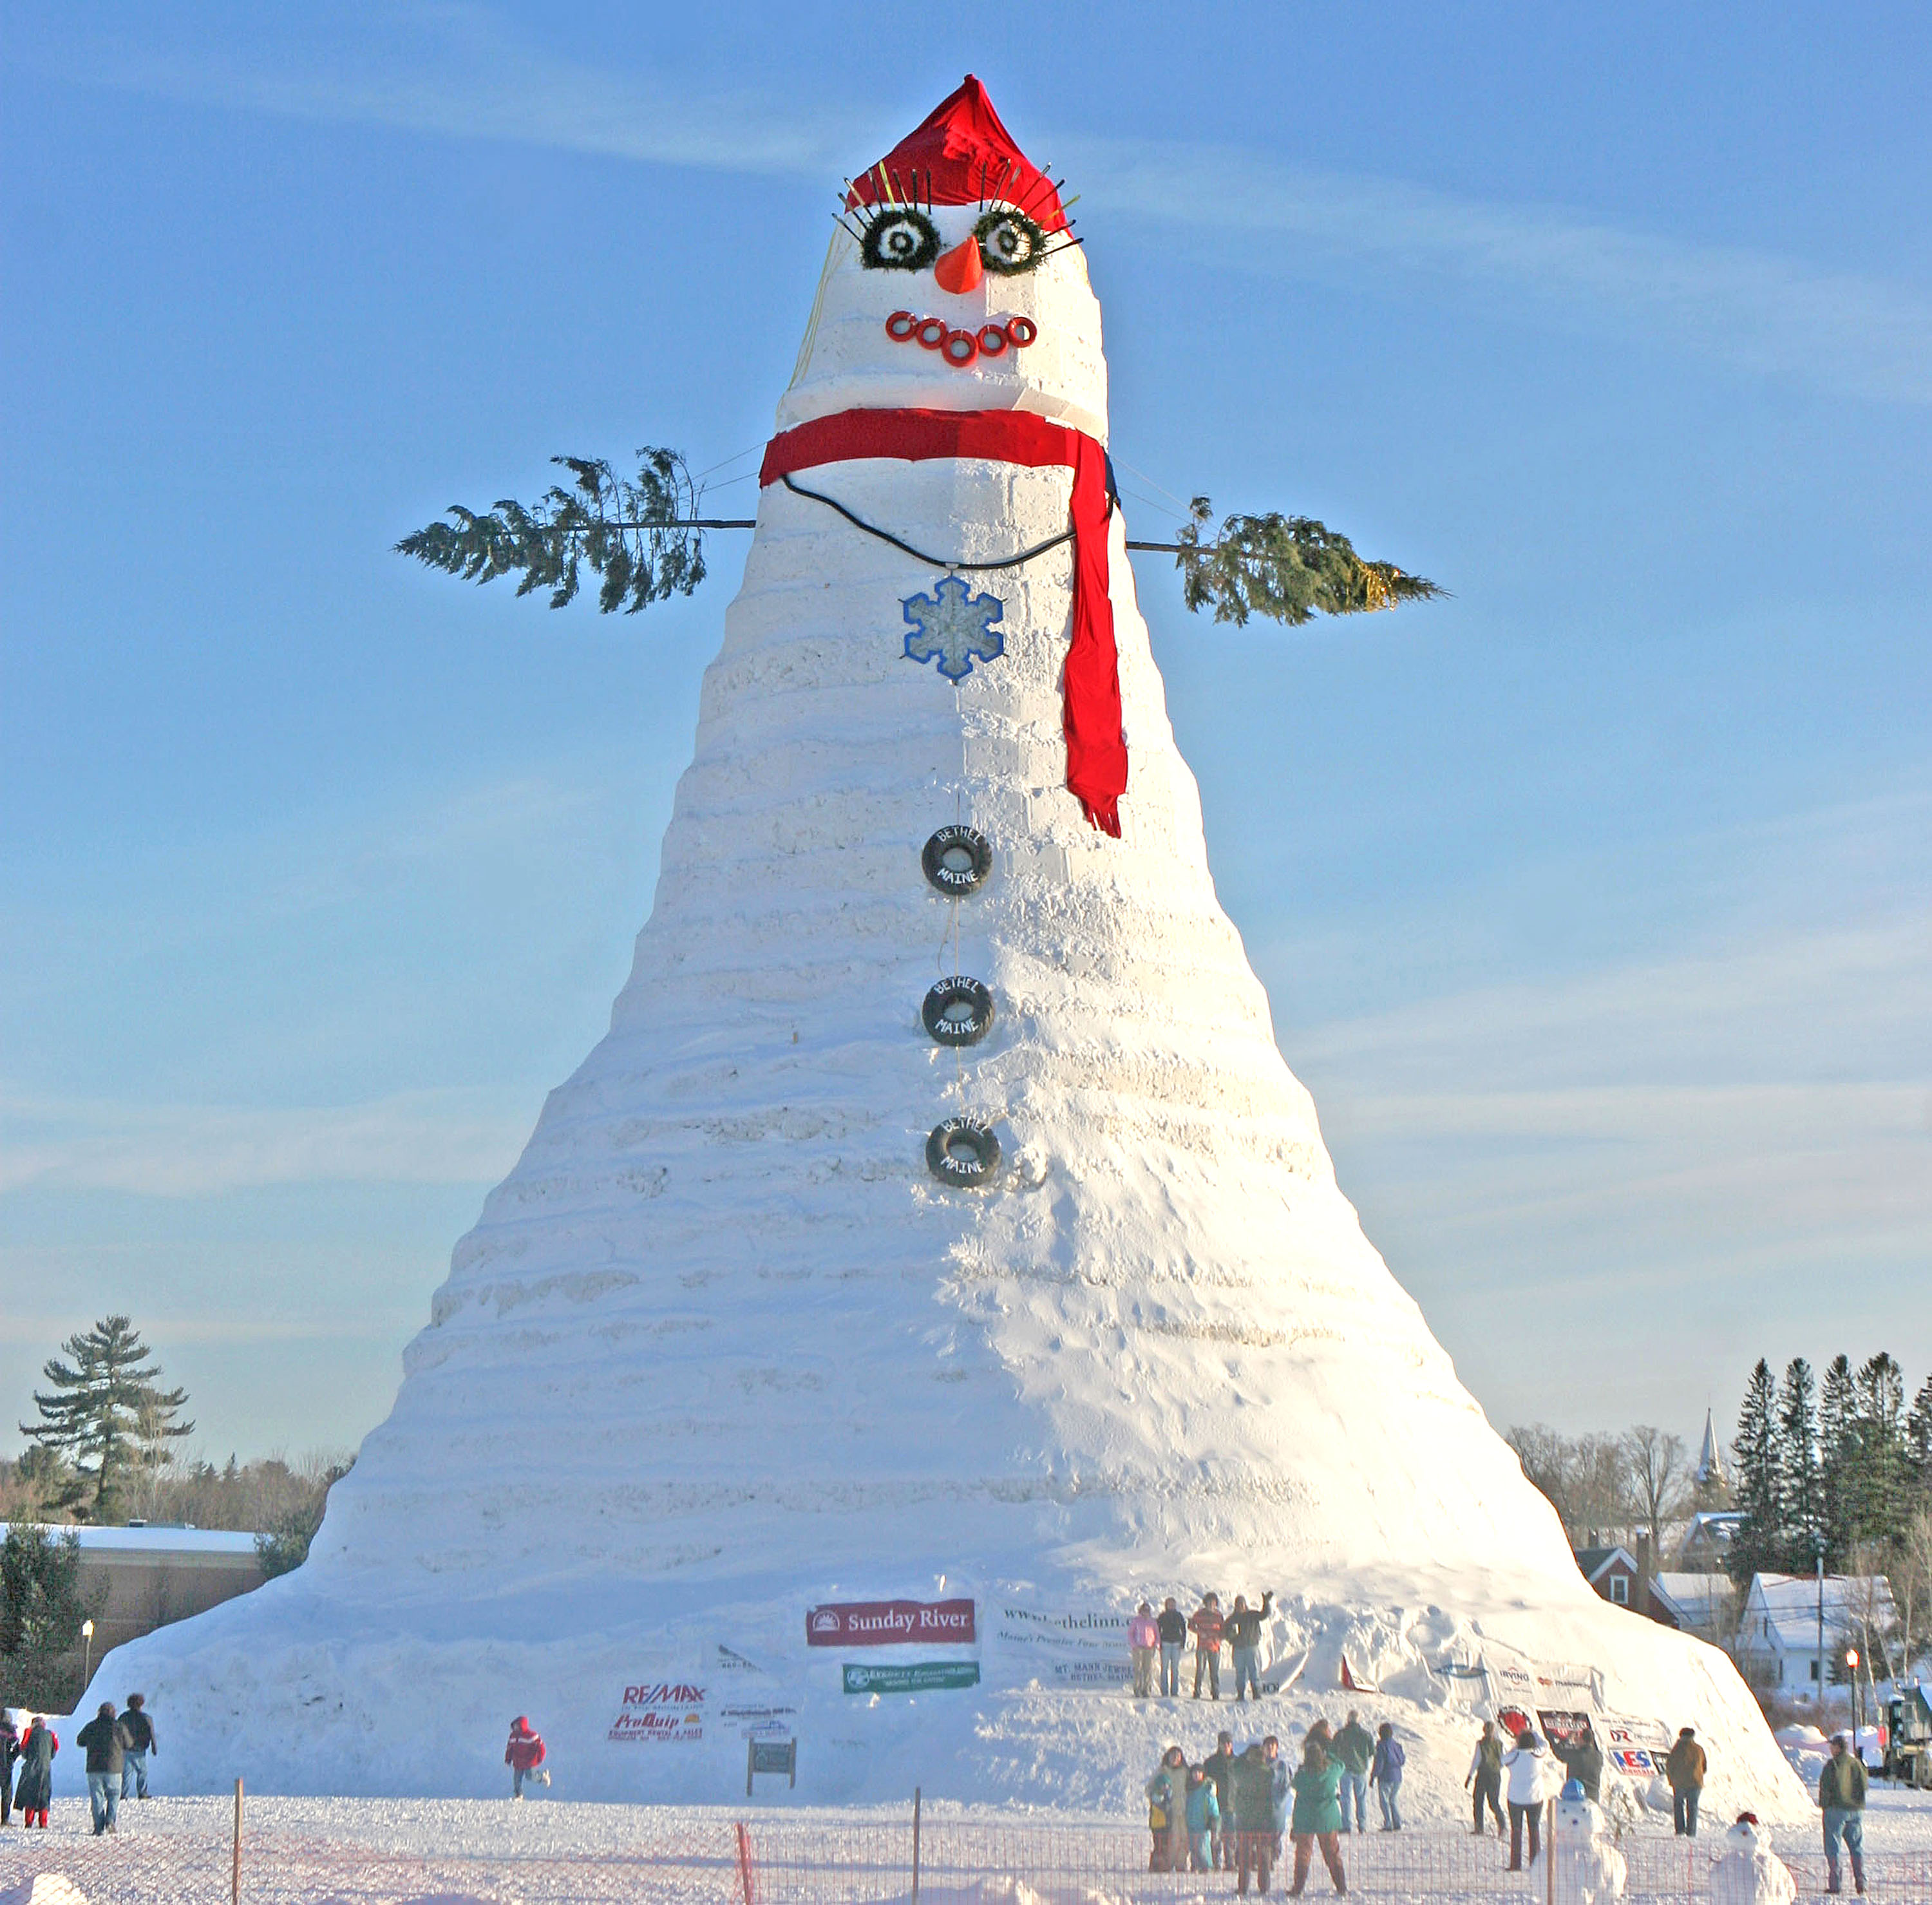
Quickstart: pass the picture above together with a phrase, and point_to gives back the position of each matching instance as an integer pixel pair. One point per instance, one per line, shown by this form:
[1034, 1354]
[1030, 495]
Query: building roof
[1789, 1602]
[1696, 1599]
[132, 1541]
[1594, 1561]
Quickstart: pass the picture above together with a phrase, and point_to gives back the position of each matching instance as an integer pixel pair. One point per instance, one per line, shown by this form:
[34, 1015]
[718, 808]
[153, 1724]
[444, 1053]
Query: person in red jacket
[524, 1755]
[1207, 1621]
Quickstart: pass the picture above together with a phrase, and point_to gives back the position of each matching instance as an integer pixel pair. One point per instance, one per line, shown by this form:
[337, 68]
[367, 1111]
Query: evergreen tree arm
[1287, 568]
[637, 536]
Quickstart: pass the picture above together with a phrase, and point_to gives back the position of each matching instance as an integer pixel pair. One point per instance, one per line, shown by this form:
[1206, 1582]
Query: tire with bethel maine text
[957, 860]
[958, 1011]
[963, 1153]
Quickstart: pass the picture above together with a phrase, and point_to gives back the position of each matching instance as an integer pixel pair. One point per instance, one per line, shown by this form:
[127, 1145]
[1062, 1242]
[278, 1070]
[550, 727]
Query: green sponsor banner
[922, 1677]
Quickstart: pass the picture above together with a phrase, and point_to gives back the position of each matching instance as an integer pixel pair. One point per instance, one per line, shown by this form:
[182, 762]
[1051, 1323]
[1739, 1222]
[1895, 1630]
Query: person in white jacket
[1526, 1763]
[1749, 1872]
[1585, 1868]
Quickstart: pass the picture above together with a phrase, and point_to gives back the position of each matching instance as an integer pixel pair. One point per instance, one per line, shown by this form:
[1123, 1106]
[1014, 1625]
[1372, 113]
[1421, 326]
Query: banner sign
[1084, 1673]
[890, 1624]
[1103, 1634]
[662, 1710]
[1633, 1760]
[1563, 1730]
[753, 1718]
[927, 1676]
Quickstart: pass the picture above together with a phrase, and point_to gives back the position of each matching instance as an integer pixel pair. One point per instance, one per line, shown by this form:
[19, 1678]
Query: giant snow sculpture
[844, 1365]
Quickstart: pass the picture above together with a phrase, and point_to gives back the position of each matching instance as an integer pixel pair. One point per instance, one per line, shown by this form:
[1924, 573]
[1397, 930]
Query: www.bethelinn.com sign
[889, 1623]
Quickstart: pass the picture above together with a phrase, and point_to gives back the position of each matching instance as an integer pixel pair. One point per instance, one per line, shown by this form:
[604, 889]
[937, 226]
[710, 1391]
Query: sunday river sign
[889, 1623]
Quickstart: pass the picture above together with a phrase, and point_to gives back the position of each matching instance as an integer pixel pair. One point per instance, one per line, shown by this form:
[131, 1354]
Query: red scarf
[1096, 750]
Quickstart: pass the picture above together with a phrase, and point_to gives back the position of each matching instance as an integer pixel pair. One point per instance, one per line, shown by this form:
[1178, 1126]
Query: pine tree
[1919, 1435]
[1838, 1457]
[1880, 1465]
[41, 1608]
[1798, 1465]
[1756, 1545]
[107, 1411]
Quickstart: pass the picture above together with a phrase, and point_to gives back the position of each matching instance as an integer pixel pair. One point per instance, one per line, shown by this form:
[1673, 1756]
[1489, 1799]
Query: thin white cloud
[199, 1151]
[455, 71]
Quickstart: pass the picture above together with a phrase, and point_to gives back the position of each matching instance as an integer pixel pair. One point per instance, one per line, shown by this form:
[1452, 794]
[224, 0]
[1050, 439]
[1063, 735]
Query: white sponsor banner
[1094, 1632]
[659, 1712]
[758, 1719]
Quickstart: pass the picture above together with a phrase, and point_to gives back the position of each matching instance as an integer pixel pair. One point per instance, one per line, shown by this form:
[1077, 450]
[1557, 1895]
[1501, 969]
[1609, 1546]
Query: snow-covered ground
[173, 1852]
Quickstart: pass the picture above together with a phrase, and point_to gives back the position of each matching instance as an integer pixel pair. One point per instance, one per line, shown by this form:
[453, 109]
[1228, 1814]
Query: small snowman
[1585, 1868]
[1748, 1872]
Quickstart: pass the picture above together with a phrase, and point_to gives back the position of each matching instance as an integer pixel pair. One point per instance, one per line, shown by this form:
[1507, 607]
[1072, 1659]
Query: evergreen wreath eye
[1010, 242]
[900, 240]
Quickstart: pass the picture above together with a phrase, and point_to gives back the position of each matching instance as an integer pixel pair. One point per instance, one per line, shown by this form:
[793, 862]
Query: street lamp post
[1852, 1661]
[87, 1654]
[1818, 1542]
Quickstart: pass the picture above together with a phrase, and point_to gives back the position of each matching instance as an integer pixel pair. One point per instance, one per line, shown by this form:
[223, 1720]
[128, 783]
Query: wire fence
[820, 1859]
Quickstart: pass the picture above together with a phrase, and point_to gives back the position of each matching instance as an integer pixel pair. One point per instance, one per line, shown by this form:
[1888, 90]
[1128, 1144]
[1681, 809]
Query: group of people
[1157, 1642]
[117, 1746]
[1230, 1812]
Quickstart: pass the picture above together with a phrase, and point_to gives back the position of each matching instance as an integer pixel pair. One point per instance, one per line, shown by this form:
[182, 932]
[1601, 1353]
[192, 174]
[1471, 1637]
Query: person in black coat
[1583, 1759]
[106, 1746]
[140, 1732]
[35, 1791]
[10, 1751]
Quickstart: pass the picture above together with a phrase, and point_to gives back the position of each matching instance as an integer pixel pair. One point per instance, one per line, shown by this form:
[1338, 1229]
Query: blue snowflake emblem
[952, 625]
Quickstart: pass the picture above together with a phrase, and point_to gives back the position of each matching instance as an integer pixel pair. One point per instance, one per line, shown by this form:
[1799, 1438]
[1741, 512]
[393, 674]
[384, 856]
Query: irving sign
[889, 1623]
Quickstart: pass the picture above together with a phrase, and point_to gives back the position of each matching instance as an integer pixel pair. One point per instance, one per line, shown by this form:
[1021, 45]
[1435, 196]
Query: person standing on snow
[1207, 1621]
[1144, 1649]
[1583, 1759]
[1172, 1626]
[1167, 1811]
[1317, 1818]
[1203, 1819]
[1353, 1749]
[1525, 1762]
[140, 1732]
[525, 1756]
[1750, 1873]
[1219, 1767]
[1243, 1630]
[1486, 1775]
[1254, 1818]
[1684, 1766]
[10, 1751]
[1385, 1776]
[107, 1746]
[1841, 1798]
[35, 1791]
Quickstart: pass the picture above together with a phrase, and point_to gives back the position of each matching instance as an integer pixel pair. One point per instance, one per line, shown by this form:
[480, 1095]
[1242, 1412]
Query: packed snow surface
[310, 1852]
[720, 1350]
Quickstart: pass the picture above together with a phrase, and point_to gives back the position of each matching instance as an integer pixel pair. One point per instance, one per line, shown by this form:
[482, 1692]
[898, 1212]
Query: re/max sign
[664, 1692]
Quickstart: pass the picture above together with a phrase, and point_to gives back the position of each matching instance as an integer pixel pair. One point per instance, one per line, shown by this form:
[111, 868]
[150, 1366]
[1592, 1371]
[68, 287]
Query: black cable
[937, 562]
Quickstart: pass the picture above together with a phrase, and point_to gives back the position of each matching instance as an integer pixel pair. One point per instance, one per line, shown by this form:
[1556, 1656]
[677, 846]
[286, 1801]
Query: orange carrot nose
[960, 269]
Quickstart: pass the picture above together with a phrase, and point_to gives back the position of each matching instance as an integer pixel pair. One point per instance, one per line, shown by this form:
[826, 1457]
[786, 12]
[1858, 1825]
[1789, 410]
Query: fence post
[745, 1862]
[235, 1874]
[1549, 1851]
[915, 1845]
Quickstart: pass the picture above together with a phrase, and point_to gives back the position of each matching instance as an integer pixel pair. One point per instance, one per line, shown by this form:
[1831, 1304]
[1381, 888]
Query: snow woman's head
[954, 283]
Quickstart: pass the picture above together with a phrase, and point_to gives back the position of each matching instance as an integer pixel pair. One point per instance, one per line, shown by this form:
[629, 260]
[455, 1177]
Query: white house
[1777, 1636]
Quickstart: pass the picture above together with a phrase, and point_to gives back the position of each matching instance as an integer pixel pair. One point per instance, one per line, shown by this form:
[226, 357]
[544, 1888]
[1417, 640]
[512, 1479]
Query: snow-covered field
[171, 1852]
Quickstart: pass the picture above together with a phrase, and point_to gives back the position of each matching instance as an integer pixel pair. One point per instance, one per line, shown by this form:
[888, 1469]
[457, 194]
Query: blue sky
[1595, 903]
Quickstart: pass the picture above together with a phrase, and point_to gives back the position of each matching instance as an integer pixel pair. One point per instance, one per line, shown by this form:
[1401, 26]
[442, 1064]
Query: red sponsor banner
[889, 1623]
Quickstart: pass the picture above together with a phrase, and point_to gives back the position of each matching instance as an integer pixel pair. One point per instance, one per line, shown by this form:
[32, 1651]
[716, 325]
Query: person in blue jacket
[1385, 1775]
[1203, 1819]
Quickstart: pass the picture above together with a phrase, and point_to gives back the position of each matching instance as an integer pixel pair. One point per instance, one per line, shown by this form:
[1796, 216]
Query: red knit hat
[960, 154]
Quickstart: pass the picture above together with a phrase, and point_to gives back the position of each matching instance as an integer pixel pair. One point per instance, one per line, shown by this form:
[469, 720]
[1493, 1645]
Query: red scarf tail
[1096, 750]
